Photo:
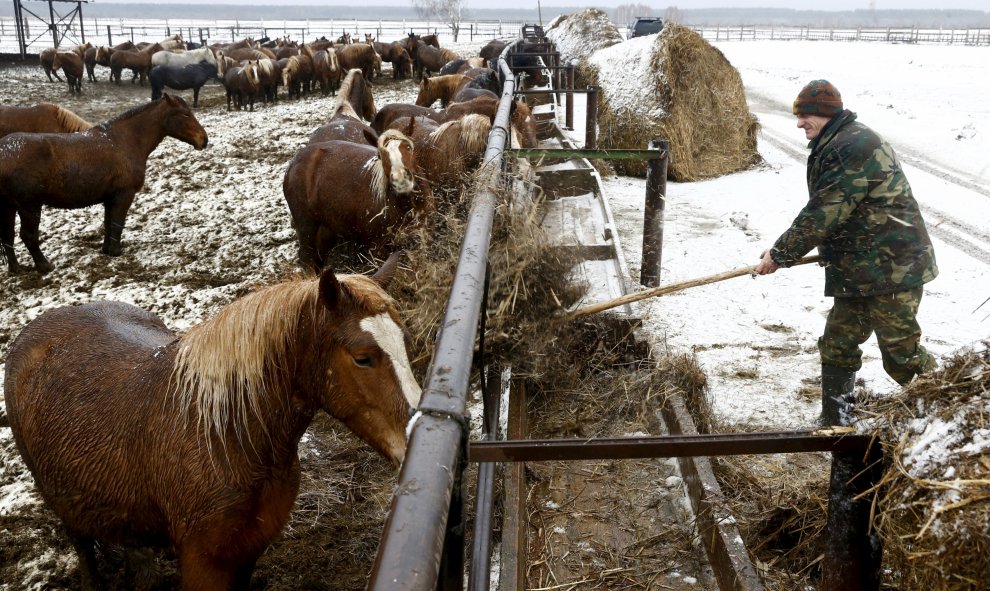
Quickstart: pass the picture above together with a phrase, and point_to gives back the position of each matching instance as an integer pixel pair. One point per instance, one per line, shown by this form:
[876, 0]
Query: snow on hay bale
[673, 86]
[578, 35]
[934, 511]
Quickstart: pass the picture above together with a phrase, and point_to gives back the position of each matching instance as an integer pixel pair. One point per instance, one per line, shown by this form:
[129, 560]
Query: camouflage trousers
[893, 318]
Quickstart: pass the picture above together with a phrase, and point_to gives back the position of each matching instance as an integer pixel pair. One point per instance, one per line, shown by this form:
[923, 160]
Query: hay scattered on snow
[934, 514]
[673, 86]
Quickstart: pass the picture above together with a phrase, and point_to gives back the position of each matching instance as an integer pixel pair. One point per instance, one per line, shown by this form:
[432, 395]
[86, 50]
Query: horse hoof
[44, 268]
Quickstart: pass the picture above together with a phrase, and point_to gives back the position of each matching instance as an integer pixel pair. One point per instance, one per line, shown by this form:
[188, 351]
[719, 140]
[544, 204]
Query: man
[873, 243]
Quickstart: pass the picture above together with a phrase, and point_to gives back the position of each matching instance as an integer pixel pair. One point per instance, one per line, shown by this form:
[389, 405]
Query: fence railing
[883, 35]
[107, 31]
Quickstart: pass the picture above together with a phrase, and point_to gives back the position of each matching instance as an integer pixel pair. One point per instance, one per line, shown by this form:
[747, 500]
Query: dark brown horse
[105, 164]
[395, 54]
[47, 60]
[327, 70]
[359, 55]
[339, 191]
[523, 126]
[344, 123]
[40, 118]
[430, 59]
[140, 437]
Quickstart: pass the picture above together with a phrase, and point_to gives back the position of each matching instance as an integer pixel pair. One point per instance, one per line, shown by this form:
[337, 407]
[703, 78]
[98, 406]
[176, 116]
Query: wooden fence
[104, 31]
[882, 35]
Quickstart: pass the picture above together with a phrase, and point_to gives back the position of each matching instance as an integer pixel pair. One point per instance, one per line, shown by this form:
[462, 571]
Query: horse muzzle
[403, 182]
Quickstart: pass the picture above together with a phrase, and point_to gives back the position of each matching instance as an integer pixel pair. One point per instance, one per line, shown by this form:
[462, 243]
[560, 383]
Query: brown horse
[440, 87]
[72, 67]
[105, 164]
[430, 59]
[359, 55]
[297, 74]
[326, 70]
[339, 191]
[446, 153]
[140, 437]
[395, 54]
[40, 118]
[47, 59]
[523, 126]
[241, 82]
[138, 61]
[353, 103]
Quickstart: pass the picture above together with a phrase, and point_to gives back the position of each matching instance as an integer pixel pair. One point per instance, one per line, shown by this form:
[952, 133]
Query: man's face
[812, 125]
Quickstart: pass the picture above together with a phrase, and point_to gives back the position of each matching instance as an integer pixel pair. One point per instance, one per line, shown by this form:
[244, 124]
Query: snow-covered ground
[756, 338]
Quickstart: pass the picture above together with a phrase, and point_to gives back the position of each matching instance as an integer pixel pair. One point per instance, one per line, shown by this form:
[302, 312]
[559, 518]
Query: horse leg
[203, 570]
[195, 96]
[115, 210]
[7, 216]
[86, 553]
[30, 220]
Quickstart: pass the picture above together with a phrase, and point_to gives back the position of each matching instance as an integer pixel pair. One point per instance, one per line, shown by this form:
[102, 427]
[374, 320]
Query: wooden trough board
[577, 217]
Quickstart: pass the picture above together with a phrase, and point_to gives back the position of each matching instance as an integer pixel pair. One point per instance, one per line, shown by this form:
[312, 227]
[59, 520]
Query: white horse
[184, 58]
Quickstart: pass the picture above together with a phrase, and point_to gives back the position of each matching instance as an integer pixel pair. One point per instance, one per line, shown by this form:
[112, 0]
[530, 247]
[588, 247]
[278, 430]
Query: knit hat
[819, 97]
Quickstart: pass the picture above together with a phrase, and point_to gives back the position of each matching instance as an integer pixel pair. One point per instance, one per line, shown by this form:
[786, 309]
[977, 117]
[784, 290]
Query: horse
[326, 69]
[269, 75]
[184, 58]
[353, 103]
[431, 40]
[439, 87]
[532, 66]
[460, 66]
[141, 437]
[397, 55]
[344, 39]
[89, 59]
[193, 76]
[104, 164]
[72, 66]
[339, 191]
[40, 118]
[47, 59]
[430, 59]
[297, 74]
[447, 152]
[359, 55]
[492, 50]
[137, 61]
[392, 111]
[241, 83]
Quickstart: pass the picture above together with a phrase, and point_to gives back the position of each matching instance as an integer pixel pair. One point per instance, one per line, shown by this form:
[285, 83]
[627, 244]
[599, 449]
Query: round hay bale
[673, 86]
[579, 35]
[934, 512]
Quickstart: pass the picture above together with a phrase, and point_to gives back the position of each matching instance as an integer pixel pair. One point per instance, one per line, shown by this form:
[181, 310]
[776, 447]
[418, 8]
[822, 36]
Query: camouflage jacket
[860, 214]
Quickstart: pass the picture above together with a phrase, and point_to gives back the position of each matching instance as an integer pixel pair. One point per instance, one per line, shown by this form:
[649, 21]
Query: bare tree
[450, 12]
[673, 15]
[626, 13]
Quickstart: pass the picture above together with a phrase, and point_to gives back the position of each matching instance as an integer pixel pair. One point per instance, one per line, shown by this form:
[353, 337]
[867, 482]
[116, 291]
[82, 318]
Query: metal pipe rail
[412, 546]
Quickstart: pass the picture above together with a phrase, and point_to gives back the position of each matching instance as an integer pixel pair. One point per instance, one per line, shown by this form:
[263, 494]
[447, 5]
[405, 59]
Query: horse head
[289, 70]
[524, 125]
[395, 151]
[427, 93]
[367, 379]
[181, 124]
[250, 71]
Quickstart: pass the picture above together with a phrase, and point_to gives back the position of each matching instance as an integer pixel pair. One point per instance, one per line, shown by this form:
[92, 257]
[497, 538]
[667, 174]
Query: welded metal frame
[59, 27]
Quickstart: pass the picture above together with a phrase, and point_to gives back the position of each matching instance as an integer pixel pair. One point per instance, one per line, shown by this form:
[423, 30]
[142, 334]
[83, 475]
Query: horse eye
[364, 361]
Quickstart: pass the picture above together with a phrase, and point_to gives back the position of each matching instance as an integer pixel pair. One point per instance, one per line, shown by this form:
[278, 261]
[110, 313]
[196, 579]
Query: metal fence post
[569, 111]
[591, 119]
[656, 200]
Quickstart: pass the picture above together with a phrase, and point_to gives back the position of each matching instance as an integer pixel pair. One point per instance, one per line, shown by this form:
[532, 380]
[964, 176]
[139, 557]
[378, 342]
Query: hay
[934, 509]
[673, 86]
[579, 35]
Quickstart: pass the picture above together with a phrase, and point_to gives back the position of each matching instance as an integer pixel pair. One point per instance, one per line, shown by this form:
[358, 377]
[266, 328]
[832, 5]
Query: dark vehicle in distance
[644, 25]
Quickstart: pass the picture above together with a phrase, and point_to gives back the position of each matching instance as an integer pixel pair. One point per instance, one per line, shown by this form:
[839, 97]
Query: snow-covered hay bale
[934, 516]
[578, 35]
[673, 86]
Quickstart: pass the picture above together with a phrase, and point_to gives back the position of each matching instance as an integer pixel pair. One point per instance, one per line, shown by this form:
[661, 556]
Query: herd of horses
[140, 437]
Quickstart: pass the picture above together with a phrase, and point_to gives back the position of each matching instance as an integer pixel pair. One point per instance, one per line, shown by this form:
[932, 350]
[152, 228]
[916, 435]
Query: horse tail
[69, 121]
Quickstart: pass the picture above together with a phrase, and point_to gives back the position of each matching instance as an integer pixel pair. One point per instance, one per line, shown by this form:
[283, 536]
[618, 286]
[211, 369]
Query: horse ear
[330, 293]
[409, 130]
[386, 273]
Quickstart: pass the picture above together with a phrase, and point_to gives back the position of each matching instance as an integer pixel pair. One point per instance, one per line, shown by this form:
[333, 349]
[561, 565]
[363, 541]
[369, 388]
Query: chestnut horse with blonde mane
[140, 437]
[40, 118]
[343, 191]
[345, 121]
[104, 164]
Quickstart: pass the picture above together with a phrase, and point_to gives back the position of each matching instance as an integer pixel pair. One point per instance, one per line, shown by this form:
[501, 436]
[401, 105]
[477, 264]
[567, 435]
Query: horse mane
[69, 121]
[343, 105]
[474, 133]
[220, 366]
[132, 112]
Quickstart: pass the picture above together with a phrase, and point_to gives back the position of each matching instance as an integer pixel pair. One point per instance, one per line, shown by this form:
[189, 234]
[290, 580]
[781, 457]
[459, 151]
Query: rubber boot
[837, 395]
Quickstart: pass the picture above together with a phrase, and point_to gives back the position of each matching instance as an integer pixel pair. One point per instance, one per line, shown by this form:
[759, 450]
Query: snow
[757, 338]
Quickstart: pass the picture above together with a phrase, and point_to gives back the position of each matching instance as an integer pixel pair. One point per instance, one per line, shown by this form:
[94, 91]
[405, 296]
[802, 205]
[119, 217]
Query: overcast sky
[981, 5]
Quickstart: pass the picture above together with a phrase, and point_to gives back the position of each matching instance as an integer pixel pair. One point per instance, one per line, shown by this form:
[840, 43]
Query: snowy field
[756, 338]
